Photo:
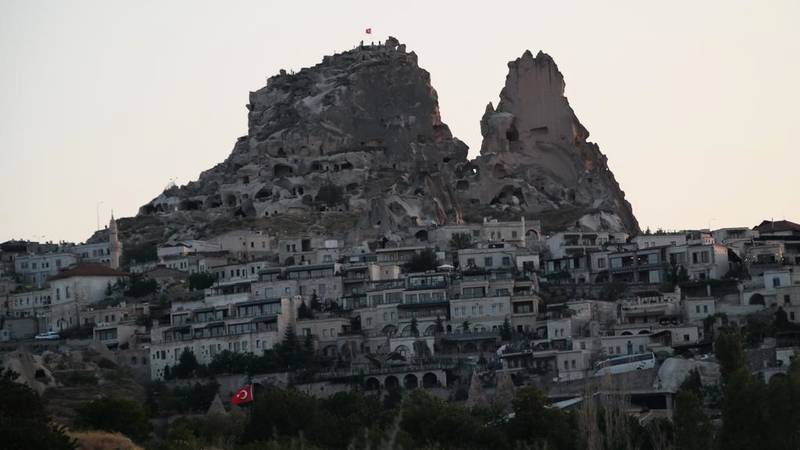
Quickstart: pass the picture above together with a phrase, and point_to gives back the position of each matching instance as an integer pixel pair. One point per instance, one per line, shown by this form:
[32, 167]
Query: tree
[115, 414]
[433, 423]
[414, 327]
[140, 286]
[201, 280]
[535, 422]
[781, 319]
[460, 241]
[693, 429]
[423, 261]
[23, 421]
[677, 275]
[612, 291]
[730, 353]
[465, 326]
[505, 330]
[745, 418]
[315, 304]
[439, 325]
[303, 312]
[187, 366]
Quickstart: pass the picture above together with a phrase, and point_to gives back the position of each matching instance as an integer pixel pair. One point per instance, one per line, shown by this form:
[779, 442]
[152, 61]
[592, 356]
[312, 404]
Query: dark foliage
[114, 415]
[201, 280]
[24, 424]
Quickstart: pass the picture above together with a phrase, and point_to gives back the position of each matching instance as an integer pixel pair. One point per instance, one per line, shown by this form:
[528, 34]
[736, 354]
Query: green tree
[139, 286]
[536, 423]
[115, 415]
[693, 429]
[315, 304]
[506, 331]
[783, 399]
[465, 326]
[745, 418]
[414, 327]
[460, 241]
[439, 325]
[187, 366]
[612, 291]
[729, 351]
[201, 280]
[423, 261]
[23, 421]
[303, 312]
[433, 423]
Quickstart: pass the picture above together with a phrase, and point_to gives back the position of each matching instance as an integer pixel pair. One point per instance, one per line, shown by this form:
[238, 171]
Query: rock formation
[355, 147]
[535, 159]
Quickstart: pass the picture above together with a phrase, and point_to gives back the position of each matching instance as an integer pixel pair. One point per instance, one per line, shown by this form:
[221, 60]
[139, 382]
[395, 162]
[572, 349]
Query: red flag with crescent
[243, 395]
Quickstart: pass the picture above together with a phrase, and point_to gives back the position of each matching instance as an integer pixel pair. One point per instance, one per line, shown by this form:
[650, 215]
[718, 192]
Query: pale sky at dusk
[694, 103]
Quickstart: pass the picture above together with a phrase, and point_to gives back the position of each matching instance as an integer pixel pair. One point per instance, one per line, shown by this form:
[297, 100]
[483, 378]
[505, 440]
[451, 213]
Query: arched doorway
[391, 382]
[410, 381]
[429, 380]
[372, 384]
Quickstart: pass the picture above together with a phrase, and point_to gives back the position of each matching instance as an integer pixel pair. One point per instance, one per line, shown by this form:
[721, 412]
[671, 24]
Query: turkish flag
[243, 395]
[369, 30]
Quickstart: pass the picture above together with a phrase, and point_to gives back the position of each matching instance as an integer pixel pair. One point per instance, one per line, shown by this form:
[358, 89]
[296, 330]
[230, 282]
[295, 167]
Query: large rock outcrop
[535, 159]
[355, 147]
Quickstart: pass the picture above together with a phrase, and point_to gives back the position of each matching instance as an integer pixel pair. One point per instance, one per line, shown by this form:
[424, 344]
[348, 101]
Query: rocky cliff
[355, 147]
[535, 158]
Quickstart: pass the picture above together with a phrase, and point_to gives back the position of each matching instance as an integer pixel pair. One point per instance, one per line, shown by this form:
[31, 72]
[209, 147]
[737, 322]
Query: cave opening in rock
[281, 170]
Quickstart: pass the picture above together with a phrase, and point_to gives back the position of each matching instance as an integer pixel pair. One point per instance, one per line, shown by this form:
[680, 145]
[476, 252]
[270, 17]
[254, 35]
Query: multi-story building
[571, 243]
[35, 269]
[77, 288]
[497, 256]
[242, 327]
[647, 266]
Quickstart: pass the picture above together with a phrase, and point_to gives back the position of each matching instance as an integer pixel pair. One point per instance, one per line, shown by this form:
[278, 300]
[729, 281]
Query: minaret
[114, 245]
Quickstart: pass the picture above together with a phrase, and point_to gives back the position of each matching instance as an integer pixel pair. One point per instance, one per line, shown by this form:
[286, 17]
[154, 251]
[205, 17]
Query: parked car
[48, 336]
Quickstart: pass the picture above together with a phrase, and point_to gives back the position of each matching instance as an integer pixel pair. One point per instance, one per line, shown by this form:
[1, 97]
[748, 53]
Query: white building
[246, 327]
[76, 288]
[36, 269]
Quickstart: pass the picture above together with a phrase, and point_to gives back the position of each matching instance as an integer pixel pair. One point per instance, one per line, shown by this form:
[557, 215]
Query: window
[704, 257]
[506, 260]
[487, 261]
[705, 309]
[685, 338]
[601, 263]
[791, 316]
[787, 299]
[776, 282]
[697, 309]
[470, 261]
[514, 234]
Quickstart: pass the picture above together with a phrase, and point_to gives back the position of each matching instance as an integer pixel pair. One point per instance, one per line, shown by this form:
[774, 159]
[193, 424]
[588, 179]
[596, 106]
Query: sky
[103, 103]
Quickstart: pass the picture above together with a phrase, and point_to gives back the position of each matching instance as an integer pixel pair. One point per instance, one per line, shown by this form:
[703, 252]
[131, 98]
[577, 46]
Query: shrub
[115, 415]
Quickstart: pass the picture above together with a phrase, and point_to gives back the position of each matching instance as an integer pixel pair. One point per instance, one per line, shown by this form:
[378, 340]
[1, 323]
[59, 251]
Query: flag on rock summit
[243, 395]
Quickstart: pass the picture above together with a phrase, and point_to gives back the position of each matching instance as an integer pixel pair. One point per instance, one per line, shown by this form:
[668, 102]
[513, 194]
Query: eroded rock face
[359, 138]
[535, 159]
[359, 132]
